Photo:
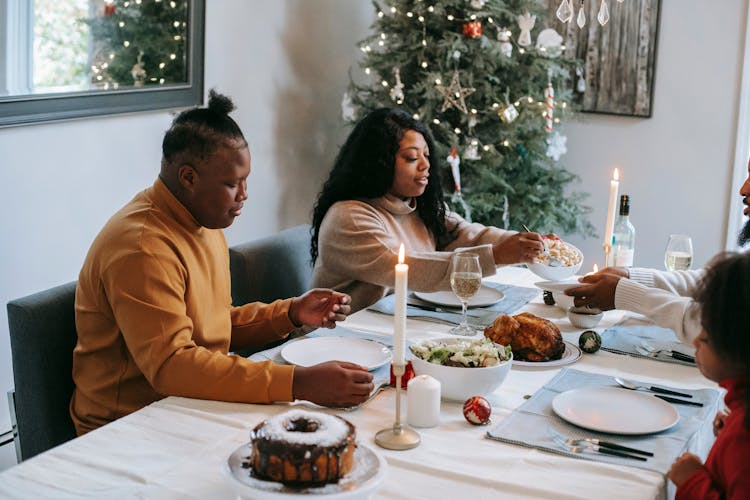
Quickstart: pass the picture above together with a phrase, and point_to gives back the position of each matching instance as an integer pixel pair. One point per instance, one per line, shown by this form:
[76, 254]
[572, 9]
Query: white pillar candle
[423, 401]
[609, 227]
[399, 317]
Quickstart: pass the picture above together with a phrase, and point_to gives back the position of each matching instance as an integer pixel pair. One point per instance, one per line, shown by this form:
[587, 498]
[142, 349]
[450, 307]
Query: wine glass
[466, 278]
[679, 253]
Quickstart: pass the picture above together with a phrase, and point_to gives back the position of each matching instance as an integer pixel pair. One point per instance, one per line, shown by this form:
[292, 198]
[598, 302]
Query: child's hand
[685, 466]
[719, 421]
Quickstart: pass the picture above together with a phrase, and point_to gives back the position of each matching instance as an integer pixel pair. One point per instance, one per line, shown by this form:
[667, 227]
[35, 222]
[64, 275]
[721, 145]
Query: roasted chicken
[530, 337]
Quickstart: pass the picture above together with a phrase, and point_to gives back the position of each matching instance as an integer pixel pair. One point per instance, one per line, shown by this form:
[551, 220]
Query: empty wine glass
[679, 253]
[466, 278]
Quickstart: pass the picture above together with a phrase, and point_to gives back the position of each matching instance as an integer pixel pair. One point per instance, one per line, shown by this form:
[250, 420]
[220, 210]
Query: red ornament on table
[405, 378]
[477, 410]
[473, 29]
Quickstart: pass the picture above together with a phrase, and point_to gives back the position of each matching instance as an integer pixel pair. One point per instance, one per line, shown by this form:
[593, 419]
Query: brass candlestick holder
[397, 437]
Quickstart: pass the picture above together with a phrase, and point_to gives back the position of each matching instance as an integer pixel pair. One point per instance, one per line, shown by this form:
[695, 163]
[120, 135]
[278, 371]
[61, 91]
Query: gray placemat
[533, 423]
[626, 336]
[515, 297]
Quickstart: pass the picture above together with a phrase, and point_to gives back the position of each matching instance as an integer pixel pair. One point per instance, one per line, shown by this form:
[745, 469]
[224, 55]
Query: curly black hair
[364, 168]
[723, 295]
[198, 132]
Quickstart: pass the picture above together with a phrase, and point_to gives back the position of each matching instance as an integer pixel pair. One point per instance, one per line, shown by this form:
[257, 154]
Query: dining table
[179, 447]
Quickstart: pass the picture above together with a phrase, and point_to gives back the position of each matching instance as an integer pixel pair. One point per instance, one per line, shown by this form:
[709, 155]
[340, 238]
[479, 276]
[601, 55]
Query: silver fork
[582, 447]
[375, 392]
[648, 350]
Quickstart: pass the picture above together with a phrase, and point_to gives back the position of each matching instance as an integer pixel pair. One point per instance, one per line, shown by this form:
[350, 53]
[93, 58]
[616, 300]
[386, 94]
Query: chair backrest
[42, 338]
[270, 268]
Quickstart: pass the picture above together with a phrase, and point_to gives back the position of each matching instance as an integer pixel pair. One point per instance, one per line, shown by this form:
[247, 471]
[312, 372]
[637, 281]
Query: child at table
[723, 355]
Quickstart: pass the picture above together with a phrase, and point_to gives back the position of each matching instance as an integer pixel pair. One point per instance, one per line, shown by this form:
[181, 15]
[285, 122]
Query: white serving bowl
[556, 273]
[581, 317]
[460, 383]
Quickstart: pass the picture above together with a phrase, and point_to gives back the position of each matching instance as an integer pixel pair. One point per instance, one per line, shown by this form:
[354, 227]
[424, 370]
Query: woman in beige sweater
[383, 192]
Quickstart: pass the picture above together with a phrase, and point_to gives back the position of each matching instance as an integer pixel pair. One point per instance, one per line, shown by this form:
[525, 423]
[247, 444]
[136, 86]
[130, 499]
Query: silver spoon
[553, 262]
[629, 384]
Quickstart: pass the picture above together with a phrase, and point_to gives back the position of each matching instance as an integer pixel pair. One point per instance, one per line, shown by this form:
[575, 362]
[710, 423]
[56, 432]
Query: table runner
[624, 337]
[529, 424]
[515, 298]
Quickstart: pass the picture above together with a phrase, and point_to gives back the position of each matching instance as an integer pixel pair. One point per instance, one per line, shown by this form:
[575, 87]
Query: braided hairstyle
[196, 133]
[723, 295]
[364, 168]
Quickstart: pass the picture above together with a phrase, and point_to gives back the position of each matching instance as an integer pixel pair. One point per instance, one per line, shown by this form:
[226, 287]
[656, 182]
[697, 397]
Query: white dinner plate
[615, 410]
[365, 477]
[486, 296]
[558, 286]
[571, 354]
[314, 350]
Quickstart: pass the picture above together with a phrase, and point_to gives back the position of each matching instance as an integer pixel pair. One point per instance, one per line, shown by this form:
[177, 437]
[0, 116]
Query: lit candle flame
[616, 175]
[401, 252]
[596, 269]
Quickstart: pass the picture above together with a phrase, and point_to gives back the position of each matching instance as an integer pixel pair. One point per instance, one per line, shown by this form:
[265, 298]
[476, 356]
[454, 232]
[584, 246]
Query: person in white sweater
[663, 296]
[384, 190]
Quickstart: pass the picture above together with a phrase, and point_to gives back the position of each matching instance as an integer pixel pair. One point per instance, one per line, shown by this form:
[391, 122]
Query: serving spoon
[629, 384]
[553, 261]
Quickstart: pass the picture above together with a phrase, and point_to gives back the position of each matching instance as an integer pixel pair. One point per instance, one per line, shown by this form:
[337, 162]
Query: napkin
[515, 297]
[529, 425]
[624, 338]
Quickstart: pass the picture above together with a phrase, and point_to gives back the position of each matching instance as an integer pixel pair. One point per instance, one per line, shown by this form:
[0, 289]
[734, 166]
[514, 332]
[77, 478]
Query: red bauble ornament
[109, 9]
[477, 410]
[473, 29]
[405, 378]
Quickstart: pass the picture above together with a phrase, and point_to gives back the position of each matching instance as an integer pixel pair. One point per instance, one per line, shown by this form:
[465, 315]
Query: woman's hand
[519, 248]
[685, 466]
[320, 307]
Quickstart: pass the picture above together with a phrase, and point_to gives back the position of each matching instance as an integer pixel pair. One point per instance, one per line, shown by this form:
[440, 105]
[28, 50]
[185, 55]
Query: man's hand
[333, 383]
[320, 307]
[685, 466]
[521, 247]
[597, 292]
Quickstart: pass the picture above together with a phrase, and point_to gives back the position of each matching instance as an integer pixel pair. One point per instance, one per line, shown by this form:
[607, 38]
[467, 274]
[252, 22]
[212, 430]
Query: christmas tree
[139, 42]
[493, 98]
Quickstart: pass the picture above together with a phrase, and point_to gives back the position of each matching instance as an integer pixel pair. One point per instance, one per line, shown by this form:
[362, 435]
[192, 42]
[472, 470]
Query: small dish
[583, 317]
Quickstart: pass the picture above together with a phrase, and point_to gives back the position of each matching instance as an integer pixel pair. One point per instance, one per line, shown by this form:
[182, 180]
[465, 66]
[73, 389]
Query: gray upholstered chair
[42, 338]
[270, 268]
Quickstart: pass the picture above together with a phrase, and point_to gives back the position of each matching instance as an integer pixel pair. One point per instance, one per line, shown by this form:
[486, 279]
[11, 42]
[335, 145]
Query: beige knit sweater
[358, 248]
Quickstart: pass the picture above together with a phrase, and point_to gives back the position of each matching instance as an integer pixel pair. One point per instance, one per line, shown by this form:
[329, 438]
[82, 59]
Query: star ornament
[454, 94]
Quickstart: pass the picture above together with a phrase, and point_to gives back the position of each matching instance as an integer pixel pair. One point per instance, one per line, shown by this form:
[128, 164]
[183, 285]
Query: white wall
[286, 63]
[676, 165]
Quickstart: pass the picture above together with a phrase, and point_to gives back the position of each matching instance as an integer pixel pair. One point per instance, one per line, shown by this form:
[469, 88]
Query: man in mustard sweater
[153, 305]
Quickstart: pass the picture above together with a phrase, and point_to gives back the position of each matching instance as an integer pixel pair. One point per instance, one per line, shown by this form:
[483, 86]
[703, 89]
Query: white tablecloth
[177, 447]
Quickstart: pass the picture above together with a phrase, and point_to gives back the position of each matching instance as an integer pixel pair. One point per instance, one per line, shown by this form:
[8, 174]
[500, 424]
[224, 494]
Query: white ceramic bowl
[581, 317]
[563, 301]
[459, 383]
[556, 273]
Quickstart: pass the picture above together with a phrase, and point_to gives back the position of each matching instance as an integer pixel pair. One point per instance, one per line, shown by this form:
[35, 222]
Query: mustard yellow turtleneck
[154, 318]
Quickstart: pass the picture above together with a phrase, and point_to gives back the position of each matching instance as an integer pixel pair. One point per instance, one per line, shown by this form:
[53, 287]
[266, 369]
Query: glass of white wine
[466, 278]
[679, 253]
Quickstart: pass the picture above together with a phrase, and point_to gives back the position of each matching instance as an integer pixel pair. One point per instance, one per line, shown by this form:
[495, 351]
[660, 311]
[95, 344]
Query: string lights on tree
[493, 98]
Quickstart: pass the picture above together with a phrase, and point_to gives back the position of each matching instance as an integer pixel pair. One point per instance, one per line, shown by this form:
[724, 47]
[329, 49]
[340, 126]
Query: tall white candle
[399, 317]
[609, 227]
[423, 401]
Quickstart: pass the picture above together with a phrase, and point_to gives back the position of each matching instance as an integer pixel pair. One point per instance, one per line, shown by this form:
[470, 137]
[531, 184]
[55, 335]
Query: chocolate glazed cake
[303, 448]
